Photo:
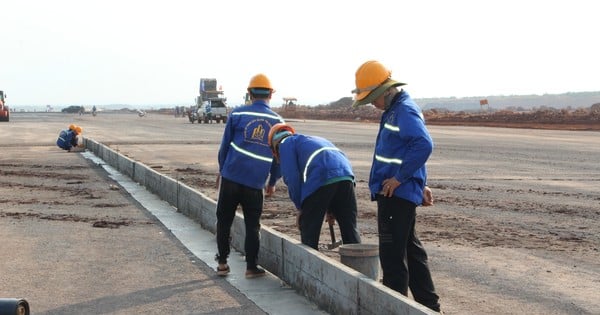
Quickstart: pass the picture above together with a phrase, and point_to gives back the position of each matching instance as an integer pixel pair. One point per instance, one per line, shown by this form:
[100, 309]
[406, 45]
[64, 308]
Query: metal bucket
[363, 258]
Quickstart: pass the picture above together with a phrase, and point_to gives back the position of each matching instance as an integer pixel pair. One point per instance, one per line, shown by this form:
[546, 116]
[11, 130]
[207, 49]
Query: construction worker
[319, 179]
[67, 139]
[398, 181]
[208, 111]
[245, 163]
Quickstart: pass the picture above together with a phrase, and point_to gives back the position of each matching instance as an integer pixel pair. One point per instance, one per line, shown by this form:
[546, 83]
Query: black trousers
[338, 198]
[403, 258]
[231, 195]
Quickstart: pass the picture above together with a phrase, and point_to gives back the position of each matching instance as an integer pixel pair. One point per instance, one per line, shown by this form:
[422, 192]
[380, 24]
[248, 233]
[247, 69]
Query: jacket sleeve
[275, 173]
[225, 143]
[414, 133]
[292, 176]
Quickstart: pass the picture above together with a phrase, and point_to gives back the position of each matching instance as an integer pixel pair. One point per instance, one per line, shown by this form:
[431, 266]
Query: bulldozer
[4, 111]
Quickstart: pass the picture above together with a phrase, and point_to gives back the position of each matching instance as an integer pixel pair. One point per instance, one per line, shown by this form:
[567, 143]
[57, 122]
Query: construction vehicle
[211, 105]
[4, 111]
[289, 103]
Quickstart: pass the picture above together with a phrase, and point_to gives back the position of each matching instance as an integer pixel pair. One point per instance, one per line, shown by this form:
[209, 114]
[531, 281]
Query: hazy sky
[155, 52]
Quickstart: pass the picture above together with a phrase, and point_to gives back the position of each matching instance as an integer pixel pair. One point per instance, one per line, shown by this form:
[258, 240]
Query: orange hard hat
[372, 79]
[78, 130]
[276, 134]
[260, 84]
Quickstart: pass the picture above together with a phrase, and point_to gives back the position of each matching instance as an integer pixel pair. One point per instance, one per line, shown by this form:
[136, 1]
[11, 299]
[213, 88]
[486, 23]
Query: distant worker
[245, 162]
[68, 138]
[398, 181]
[208, 110]
[320, 181]
[94, 111]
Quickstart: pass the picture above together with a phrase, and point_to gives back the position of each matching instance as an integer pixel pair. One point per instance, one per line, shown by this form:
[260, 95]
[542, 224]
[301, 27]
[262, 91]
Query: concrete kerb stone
[153, 181]
[378, 299]
[139, 173]
[197, 206]
[169, 190]
[333, 286]
[111, 157]
[126, 166]
[271, 250]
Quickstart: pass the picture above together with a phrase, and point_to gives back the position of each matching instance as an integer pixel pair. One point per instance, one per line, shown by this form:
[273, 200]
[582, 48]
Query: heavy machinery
[211, 105]
[4, 111]
[289, 103]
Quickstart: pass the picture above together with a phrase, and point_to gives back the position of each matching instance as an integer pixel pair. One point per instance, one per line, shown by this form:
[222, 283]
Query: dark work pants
[338, 198]
[403, 258]
[231, 195]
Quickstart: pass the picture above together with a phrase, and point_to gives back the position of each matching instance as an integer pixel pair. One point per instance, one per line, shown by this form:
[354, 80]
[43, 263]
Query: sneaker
[255, 272]
[222, 270]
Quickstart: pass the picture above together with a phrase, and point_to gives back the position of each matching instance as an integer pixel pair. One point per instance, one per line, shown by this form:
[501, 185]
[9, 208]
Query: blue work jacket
[309, 162]
[66, 139]
[244, 155]
[402, 148]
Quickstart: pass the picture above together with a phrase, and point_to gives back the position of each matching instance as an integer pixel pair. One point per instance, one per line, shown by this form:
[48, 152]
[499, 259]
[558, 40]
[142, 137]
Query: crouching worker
[320, 181]
[68, 138]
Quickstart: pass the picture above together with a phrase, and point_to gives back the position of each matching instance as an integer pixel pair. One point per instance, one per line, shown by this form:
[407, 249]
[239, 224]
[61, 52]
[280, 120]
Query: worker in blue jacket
[245, 164]
[398, 181]
[67, 139]
[320, 181]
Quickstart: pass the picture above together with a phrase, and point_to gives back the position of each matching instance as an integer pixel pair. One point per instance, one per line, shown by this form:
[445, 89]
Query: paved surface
[77, 239]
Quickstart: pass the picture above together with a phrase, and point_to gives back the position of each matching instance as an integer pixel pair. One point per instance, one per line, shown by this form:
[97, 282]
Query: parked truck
[4, 111]
[211, 105]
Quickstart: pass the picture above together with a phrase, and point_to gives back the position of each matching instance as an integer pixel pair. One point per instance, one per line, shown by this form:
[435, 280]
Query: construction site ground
[514, 228]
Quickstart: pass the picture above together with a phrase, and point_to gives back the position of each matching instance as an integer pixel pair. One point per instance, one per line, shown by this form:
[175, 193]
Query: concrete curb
[336, 288]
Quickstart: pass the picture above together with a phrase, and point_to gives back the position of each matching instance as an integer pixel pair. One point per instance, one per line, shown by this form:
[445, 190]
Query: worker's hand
[389, 185]
[218, 181]
[427, 197]
[269, 190]
[330, 218]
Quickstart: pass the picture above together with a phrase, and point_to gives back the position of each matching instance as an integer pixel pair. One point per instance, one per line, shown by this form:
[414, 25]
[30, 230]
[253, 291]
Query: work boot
[255, 272]
[223, 270]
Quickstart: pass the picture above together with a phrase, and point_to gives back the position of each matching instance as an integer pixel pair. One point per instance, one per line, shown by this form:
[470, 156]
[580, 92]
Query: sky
[64, 52]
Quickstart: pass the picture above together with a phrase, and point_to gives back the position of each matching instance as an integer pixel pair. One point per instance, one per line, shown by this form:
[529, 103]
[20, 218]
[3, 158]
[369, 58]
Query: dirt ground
[514, 228]
[74, 242]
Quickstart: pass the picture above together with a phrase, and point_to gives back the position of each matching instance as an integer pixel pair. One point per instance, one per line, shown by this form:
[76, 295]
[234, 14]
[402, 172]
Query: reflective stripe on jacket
[309, 162]
[402, 148]
[244, 155]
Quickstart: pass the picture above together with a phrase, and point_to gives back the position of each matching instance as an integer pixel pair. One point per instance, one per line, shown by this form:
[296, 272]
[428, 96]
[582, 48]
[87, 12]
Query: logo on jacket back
[255, 131]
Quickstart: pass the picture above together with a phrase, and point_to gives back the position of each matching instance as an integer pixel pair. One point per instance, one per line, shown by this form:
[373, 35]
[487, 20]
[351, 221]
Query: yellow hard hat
[72, 127]
[276, 134]
[372, 79]
[261, 84]
[78, 130]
